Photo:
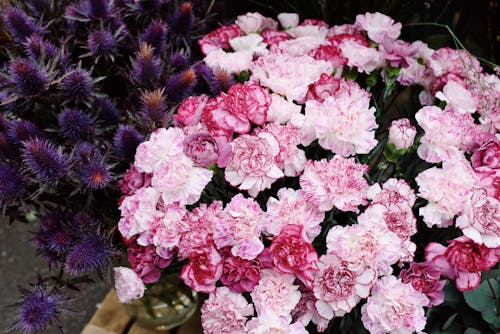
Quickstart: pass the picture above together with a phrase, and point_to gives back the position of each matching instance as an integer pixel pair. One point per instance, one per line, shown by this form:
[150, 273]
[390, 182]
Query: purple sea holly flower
[89, 254]
[155, 35]
[42, 159]
[19, 24]
[28, 77]
[77, 85]
[75, 125]
[126, 141]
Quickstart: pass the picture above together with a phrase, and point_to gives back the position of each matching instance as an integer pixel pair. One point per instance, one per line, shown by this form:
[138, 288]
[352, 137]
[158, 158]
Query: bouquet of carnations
[345, 179]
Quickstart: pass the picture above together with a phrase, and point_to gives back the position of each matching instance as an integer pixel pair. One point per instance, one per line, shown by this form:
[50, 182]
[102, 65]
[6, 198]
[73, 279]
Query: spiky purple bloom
[95, 174]
[85, 152]
[77, 85]
[38, 309]
[154, 109]
[19, 131]
[11, 185]
[102, 43]
[28, 77]
[223, 80]
[178, 62]
[206, 80]
[36, 48]
[126, 141]
[98, 8]
[89, 254]
[60, 240]
[183, 19]
[84, 222]
[180, 85]
[156, 36]
[107, 111]
[53, 220]
[43, 160]
[75, 125]
[146, 67]
[19, 24]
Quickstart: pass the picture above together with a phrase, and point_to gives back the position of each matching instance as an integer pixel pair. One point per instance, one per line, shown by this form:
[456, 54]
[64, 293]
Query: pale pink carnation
[162, 145]
[275, 293]
[189, 112]
[251, 42]
[179, 180]
[393, 191]
[255, 22]
[138, 212]
[455, 61]
[337, 288]
[225, 312]
[288, 20]
[480, 220]
[281, 110]
[398, 53]
[394, 307]
[164, 232]
[252, 165]
[364, 58]
[219, 38]
[424, 277]
[415, 74]
[229, 62]
[446, 189]
[446, 133]
[344, 123]
[202, 149]
[378, 26]
[287, 75]
[240, 228]
[305, 311]
[458, 98]
[128, 285]
[292, 208]
[133, 180]
[270, 323]
[402, 133]
[365, 245]
[203, 269]
[336, 183]
[342, 29]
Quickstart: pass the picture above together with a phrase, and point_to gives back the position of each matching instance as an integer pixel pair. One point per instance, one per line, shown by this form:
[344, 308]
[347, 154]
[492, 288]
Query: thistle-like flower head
[75, 125]
[102, 43]
[42, 159]
[180, 85]
[19, 24]
[12, 185]
[126, 141]
[28, 77]
[156, 36]
[77, 85]
[91, 253]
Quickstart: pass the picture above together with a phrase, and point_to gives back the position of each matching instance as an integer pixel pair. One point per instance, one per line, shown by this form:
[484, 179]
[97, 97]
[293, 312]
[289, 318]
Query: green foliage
[486, 299]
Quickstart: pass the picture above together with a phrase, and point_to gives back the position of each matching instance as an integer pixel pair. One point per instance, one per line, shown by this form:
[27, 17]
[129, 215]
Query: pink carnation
[267, 300]
[452, 61]
[270, 322]
[329, 53]
[203, 269]
[252, 165]
[344, 123]
[326, 86]
[424, 277]
[138, 212]
[189, 112]
[225, 312]
[179, 180]
[133, 180]
[280, 110]
[274, 37]
[446, 189]
[364, 58]
[255, 22]
[240, 275]
[336, 183]
[240, 228]
[202, 149]
[394, 307]
[337, 288]
[162, 145]
[292, 253]
[458, 98]
[305, 311]
[463, 260]
[146, 262]
[250, 42]
[402, 133]
[398, 53]
[379, 27]
[164, 231]
[219, 38]
[229, 62]
[288, 20]
[299, 46]
[486, 162]
[128, 285]
[393, 191]
[292, 208]
[248, 102]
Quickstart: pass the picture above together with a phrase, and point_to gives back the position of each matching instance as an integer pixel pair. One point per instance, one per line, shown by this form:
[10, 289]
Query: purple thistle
[95, 174]
[85, 152]
[153, 108]
[183, 19]
[53, 220]
[146, 67]
[12, 185]
[178, 62]
[38, 309]
[97, 8]
[206, 80]
[126, 141]
[43, 160]
[180, 85]
[20, 25]
[20, 131]
[75, 125]
[156, 36]
[84, 222]
[77, 85]
[102, 43]
[59, 240]
[36, 47]
[223, 80]
[28, 77]
[89, 254]
[108, 113]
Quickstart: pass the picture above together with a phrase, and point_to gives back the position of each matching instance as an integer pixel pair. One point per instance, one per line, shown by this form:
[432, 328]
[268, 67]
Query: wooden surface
[112, 317]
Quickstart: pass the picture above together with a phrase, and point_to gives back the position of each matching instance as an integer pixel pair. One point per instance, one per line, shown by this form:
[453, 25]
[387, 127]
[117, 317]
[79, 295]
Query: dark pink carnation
[274, 37]
[219, 38]
[329, 53]
[238, 274]
[314, 22]
[190, 110]
[203, 269]
[424, 277]
[338, 39]
[134, 180]
[487, 157]
[292, 253]
[146, 262]
[326, 86]
[215, 117]
[248, 102]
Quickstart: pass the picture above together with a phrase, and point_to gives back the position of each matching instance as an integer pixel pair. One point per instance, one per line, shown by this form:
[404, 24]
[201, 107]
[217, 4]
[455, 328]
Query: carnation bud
[77, 85]
[146, 68]
[75, 125]
[43, 160]
[179, 86]
[153, 108]
[89, 254]
[126, 141]
[20, 25]
[402, 133]
[183, 20]
[102, 43]
[156, 36]
[28, 77]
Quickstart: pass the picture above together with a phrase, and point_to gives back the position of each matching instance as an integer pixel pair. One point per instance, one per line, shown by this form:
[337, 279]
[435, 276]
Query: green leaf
[483, 298]
[472, 331]
[490, 274]
[452, 295]
[492, 317]
[449, 321]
